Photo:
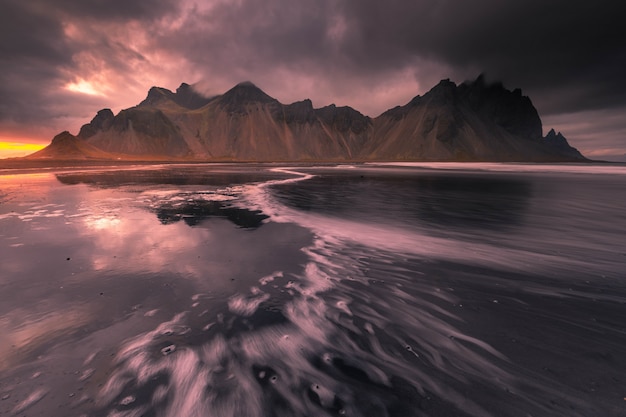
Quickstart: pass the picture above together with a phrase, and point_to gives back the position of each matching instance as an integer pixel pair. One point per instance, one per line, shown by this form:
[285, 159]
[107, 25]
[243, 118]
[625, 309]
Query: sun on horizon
[17, 149]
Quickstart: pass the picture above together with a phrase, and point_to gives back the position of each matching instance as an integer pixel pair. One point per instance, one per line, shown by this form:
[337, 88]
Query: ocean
[415, 289]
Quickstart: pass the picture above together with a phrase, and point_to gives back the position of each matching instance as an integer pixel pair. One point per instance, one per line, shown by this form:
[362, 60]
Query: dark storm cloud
[556, 45]
[568, 56]
[571, 49]
[31, 48]
[144, 10]
[248, 35]
[294, 50]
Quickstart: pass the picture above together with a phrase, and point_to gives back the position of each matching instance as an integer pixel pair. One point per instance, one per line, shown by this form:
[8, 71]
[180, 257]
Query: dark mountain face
[300, 112]
[493, 103]
[188, 98]
[508, 109]
[141, 131]
[238, 98]
[474, 121]
[157, 95]
[102, 121]
[185, 96]
[559, 143]
[344, 119]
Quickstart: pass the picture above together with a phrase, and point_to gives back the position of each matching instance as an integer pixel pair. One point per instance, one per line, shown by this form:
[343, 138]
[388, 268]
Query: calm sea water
[267, 290]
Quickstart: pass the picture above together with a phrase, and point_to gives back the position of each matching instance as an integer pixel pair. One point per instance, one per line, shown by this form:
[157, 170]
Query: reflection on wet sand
[213, 174]
[111, 248]
[24, 334]
[472, 201]
[393, 292]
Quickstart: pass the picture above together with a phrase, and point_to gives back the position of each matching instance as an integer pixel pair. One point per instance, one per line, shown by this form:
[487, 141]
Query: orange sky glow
[14, 149]
[65, 63]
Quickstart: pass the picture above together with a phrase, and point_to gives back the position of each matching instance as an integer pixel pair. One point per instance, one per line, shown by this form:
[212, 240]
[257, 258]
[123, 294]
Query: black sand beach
[265, 290]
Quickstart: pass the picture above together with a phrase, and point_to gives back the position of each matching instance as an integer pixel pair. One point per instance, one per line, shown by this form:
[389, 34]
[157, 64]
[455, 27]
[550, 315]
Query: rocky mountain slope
[473, 121]
[67, 146]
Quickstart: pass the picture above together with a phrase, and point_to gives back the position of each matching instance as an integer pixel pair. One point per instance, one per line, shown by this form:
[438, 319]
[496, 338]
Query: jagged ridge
[473, 121]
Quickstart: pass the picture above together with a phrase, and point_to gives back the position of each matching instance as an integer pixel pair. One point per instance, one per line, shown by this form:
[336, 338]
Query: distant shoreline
[22, 163]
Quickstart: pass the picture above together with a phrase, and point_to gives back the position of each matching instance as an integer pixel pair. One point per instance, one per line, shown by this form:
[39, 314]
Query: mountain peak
[444, 92]
[187, 96]
[246, 84]
[482, 83]
[247, 89]
[101, 121]
[244, 93]
[510, 110]
[445, 83]
[157, 95]
[62, 137]
[66, 146]
[558, 141]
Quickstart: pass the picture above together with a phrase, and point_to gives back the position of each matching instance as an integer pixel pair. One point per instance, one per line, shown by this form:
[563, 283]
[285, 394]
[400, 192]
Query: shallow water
[265, 290]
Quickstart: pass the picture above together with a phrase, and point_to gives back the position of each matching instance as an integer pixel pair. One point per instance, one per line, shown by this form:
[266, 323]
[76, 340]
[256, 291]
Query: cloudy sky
[63, 60]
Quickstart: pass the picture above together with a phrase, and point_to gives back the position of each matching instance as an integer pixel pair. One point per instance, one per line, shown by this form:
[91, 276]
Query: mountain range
[472, 121]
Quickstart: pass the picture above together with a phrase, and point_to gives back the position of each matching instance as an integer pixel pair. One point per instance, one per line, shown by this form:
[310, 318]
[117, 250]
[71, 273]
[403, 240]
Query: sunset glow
[83, 87]
[351, 208]
[15, 149]
[68, 61]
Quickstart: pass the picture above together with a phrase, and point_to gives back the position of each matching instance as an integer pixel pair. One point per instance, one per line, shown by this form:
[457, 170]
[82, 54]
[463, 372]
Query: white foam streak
[393, 239]
[32, 399]
[269, 278]
[246, 305]
[330, 302]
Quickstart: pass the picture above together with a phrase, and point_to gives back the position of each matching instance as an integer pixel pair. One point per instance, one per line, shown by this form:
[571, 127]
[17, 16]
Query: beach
[298, 290]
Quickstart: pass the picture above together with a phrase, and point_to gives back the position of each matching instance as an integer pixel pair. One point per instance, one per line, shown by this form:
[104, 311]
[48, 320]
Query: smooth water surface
[266, 290]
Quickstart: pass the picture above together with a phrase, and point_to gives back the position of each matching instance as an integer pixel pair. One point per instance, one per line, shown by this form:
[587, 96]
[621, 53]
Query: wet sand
[170, 291]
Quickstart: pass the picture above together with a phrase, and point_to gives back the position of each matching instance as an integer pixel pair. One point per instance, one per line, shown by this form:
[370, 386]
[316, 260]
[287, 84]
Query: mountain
[558, 142]
[469, 122]
[185, 96]
[473, 121]
[68, 147]
[138, 131]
